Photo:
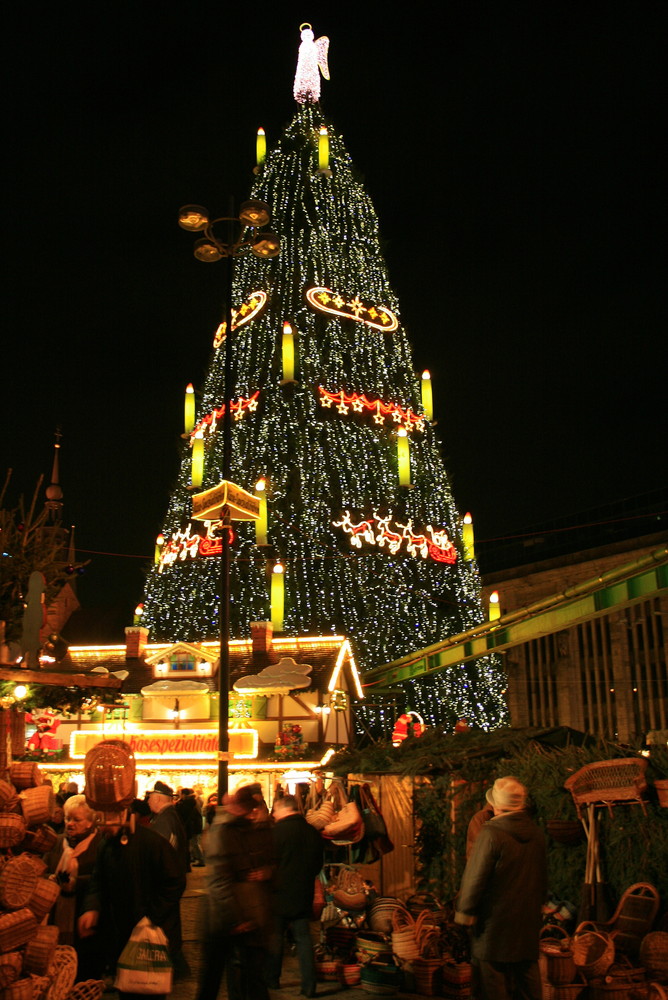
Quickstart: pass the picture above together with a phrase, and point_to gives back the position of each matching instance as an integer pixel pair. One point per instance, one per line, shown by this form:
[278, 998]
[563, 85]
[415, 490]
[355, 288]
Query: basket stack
[31, 962]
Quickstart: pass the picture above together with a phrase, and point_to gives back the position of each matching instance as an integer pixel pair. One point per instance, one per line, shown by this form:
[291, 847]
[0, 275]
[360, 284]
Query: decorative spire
[312, 55]
[54, 493]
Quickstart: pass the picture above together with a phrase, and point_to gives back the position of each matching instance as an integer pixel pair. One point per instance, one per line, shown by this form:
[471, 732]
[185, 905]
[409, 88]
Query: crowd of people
[261, 872]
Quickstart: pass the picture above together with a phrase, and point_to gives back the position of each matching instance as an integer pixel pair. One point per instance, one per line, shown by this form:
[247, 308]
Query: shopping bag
[144, 965]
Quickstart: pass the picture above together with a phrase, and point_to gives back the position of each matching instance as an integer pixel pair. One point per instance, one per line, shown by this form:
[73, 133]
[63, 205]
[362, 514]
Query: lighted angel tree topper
[327, 415]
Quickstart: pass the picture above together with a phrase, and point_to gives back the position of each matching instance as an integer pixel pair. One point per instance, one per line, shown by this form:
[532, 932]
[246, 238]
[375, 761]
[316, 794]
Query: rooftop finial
[54, 493]
[312, 55]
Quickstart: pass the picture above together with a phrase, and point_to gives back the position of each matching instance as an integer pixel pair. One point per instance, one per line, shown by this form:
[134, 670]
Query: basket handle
[551, 928]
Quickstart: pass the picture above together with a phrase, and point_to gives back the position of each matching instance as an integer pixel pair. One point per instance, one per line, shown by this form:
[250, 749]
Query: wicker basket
[556, 956]
[39, 840]
[615, 989]
[327, 972]
[566, 991]
[654, 955]
[41, 949]
[37, 804]
[25, 774]
[381, 980]
[594, 953]
[17, 881]
[380, 914]
[109, 771]
[656, 992]
[41, 986]
[11, 965]
[350, 975]
[457, 973]
[16, 929]
[62, 972]
[609, 781]
[372, 947]
[22, 989]
[661, 786]
[44, 895]
[89, 989]
[12, 829]
[428, 974]
[8, 796]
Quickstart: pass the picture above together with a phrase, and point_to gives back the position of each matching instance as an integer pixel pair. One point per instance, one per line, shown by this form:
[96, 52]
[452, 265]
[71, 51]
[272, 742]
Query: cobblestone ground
[186, 989]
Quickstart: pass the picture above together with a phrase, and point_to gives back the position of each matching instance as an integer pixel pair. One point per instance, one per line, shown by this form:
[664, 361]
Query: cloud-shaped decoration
[173, 687]
[281, 678]
[121, 674]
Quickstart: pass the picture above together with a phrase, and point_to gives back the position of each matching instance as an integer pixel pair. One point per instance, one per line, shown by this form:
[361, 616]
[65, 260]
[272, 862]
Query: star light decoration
[326, 301]
[394, 537]
[248, 310]
[383, 412]
[208, 424]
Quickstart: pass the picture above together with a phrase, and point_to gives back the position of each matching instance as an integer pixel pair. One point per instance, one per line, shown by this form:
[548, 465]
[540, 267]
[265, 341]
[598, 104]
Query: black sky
[512, 154]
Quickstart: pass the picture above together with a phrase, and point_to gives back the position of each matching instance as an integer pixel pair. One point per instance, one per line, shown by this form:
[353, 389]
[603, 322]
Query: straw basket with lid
[109, 770]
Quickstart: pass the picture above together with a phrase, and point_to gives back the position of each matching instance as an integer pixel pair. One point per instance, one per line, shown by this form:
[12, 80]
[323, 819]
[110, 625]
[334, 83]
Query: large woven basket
[428, 974]
[328, 971]
[40, 949]
[109, 770]
[16, 929]
[62, 972]
[594, 953]
[12, 829]
[380, 914]
[565, 991]
[11, 964]
[404, 940]
[25, 774]
[21, 989]
[40, 840]
[37, 804]
[89, 989]
[8, 796]
[372, 946]
[654, 955]
[457, 973]
[556, 956]
[381, 980]
[17, 881]
[44, 895]
[350, 974]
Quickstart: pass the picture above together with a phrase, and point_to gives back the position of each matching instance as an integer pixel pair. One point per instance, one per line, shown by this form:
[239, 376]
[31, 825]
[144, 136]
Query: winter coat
[504, 887]
[168, 824]
[298, 847]
[236, 846]
[141, 878]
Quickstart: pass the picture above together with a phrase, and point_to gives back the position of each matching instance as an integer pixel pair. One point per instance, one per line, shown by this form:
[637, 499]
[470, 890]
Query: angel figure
[312, 55]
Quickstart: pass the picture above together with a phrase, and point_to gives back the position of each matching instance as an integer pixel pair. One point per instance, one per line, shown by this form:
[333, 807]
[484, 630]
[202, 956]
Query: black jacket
[298, 848]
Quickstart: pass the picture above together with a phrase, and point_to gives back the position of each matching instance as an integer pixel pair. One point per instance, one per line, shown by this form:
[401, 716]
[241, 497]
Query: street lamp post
[252, 237]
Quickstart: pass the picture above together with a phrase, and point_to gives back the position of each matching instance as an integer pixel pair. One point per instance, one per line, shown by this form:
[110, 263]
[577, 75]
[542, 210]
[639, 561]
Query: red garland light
[357, 402]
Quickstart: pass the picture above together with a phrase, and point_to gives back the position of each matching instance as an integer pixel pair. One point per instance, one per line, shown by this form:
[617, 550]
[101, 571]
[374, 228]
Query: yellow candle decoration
[198, 459]
[404, 456]
[261, 146]
[189, 408]
[261, 521]
[427, 396]
[323, 149]
[288, 353]
[467, 531]
[494, 606]
[277, 597]
[159, 542]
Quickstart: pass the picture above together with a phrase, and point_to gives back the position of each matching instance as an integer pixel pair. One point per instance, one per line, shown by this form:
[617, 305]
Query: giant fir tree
[368, 550]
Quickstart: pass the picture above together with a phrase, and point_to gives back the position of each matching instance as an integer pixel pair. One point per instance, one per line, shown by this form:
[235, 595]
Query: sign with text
[180, 743]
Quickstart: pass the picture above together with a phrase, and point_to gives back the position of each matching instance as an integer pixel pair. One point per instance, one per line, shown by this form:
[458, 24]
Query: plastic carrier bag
[144, 965]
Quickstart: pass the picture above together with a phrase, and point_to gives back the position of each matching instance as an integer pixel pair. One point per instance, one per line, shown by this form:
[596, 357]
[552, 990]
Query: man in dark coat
[166, 821]
[298, 850]
[136, 874]
[503, 889]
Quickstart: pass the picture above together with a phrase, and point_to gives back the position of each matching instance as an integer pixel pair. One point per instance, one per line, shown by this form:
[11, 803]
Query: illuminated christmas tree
[330, 416]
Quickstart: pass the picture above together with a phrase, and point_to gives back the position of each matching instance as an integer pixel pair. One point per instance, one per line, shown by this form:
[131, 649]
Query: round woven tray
[17, 882]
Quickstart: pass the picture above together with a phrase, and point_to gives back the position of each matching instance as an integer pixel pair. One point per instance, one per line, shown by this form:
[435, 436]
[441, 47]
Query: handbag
[375, 828]
[347, 826]
[144, 965]
[318, 899]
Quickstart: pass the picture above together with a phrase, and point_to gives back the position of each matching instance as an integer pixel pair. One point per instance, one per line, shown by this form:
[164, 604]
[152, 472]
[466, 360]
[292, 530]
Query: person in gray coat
[503, 889]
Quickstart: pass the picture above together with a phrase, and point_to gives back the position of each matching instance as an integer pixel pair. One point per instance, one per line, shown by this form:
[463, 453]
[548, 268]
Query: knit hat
[162, 789]
[507, 795]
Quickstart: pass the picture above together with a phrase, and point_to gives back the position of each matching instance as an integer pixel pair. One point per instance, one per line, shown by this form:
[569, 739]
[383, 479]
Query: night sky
[512, 154]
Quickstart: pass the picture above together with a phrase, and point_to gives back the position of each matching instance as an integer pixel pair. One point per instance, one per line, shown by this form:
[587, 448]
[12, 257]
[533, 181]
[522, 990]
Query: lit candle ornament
[261, 147]
[288, 353]
[139, 611]
[323, 149]
[277, 596]
[427, 396]
[159, 542]
[404, 457]
[189, 408]
[494, 606]
[198, 459]
[467, 531]
[261, 520]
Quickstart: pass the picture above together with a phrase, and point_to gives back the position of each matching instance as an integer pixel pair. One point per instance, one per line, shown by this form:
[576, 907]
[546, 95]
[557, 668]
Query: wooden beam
[54, 679]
